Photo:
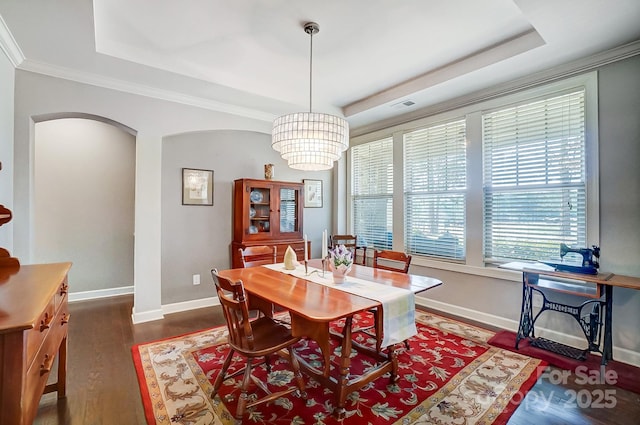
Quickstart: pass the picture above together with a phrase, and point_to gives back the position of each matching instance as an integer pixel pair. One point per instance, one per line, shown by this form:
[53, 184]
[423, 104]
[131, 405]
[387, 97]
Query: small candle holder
[325, 265]
[306, 269]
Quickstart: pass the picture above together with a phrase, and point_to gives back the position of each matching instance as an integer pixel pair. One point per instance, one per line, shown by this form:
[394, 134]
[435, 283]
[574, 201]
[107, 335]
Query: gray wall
[197, 238]
[7, 75]
[619, 156]
[37, 97]
[90, 166]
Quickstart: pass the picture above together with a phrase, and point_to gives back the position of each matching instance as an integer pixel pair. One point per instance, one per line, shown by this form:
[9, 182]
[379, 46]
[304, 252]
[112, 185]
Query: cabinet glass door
[289, 204]
[259, 210]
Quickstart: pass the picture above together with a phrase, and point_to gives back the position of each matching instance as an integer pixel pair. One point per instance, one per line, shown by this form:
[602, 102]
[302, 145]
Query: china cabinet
[267, 212]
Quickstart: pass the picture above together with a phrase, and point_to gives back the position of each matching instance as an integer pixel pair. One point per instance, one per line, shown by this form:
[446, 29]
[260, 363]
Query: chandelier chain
[311, 28]
[310, 71]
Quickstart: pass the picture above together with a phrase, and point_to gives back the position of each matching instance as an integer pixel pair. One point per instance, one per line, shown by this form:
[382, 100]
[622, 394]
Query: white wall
[84, 201]
[197, 238]
[7, 75]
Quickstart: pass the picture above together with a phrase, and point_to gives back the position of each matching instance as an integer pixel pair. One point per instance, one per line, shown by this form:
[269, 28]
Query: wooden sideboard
[34, 320]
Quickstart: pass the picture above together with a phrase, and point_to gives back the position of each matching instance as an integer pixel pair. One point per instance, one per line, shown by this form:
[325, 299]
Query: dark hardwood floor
[102, 387]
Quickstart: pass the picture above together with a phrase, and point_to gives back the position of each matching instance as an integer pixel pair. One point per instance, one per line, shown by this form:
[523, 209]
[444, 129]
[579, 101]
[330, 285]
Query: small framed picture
[312, 193]
[197, 187]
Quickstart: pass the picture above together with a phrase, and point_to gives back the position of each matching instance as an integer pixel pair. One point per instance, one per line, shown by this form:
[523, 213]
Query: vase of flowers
[341, 261]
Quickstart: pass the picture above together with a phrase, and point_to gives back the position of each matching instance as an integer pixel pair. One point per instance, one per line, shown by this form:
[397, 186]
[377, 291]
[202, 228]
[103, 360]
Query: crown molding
[550, 75]
[9, 46]
[141, 90]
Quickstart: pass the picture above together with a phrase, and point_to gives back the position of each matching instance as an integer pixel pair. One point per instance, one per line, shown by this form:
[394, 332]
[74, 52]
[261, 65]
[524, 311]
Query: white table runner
[398, 305]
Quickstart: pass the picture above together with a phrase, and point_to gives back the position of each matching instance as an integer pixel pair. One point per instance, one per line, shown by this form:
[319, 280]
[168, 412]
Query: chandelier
[310, 140]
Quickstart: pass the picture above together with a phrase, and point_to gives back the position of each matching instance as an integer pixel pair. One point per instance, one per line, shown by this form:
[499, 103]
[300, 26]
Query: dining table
[313, 306]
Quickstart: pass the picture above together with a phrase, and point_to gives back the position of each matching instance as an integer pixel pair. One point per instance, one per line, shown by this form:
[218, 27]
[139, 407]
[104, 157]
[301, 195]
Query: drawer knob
[46, 322]
[65, 319]
[45, 367]
[64, 289]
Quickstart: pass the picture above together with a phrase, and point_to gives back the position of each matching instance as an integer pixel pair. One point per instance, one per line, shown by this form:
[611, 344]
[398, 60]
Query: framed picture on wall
[197, 187]
[312, 193]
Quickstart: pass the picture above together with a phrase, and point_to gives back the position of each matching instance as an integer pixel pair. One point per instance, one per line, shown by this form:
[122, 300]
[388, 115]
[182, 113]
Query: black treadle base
[559, 348]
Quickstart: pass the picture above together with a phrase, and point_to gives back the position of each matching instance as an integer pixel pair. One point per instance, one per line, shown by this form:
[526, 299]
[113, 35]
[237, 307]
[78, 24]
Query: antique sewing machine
[590, 258]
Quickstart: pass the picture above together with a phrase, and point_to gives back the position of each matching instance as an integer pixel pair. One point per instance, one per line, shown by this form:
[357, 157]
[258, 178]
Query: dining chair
[351, 243]
[391, 260]
[253, 339]
[258, 255]
[254, 256]
[388, 260]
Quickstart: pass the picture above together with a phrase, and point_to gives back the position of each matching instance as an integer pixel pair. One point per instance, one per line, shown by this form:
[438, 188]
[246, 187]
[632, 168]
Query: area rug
[449, 375]
[618, 374]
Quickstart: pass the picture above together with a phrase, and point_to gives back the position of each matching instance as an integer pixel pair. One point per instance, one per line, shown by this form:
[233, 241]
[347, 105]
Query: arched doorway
[83, 194]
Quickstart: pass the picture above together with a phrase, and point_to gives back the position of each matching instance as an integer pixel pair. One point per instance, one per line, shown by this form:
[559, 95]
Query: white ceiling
[252, 56]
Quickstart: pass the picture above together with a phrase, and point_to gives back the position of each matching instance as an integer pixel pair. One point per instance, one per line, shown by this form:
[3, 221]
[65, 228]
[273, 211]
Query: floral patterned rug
[449, 375]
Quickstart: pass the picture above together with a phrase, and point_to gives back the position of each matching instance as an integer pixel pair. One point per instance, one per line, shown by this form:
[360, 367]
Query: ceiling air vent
[403, 104]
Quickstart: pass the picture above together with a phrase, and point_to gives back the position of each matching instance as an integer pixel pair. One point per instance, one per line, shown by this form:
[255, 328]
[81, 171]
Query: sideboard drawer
[298, 248]
[61, 294]
[281, 247]
[39, 332]
[43, 362]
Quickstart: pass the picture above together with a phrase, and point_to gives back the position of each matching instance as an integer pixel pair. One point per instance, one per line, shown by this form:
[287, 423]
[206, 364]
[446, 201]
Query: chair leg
[222, 373]
[244, 395]
[295, 365]
[267, 363]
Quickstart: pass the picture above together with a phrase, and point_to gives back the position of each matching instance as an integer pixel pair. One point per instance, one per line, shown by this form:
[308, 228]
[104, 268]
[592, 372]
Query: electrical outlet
[196, 279]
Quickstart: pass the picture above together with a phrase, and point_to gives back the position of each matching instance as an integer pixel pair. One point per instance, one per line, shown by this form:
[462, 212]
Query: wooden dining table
[313, 307]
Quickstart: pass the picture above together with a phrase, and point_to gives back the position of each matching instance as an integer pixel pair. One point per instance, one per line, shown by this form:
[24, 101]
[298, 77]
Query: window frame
[474, 263]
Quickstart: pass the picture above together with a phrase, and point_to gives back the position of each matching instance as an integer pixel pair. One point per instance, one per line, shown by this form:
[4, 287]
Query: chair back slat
[233, 300]
[349, 241]
[391, 260]
[253, 256]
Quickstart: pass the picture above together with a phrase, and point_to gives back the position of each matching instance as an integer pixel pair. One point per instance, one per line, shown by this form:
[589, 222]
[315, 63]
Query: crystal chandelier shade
[310, 140]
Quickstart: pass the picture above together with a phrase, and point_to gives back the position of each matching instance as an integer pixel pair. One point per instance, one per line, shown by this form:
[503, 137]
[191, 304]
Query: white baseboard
[190, 305]
[100, 293]
[147, 316]
[619, 354]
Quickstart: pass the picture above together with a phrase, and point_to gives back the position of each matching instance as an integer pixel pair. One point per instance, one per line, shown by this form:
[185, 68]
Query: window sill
[490, 271]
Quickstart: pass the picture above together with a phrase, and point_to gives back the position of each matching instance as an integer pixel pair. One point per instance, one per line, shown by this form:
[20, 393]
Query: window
[372, 193]
[535, 178]
[507, 178]
[435, 190]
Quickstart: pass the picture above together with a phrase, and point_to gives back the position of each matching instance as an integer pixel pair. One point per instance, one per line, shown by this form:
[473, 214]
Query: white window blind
[535, 178]
[372, 193]
[435, 186]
